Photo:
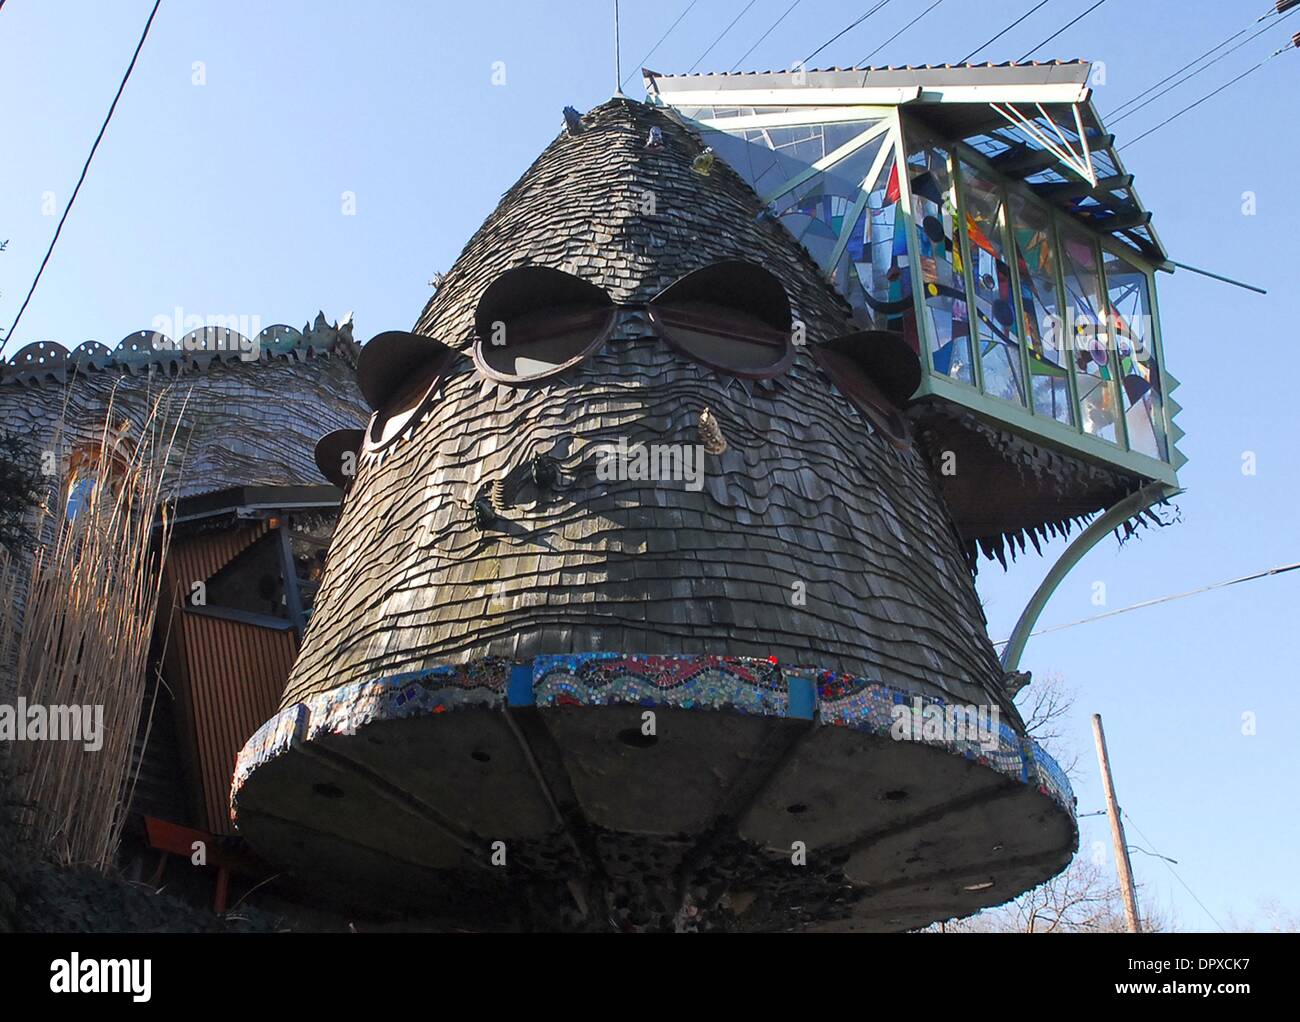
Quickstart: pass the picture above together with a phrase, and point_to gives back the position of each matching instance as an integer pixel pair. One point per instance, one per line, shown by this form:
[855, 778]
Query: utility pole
[1122, 864]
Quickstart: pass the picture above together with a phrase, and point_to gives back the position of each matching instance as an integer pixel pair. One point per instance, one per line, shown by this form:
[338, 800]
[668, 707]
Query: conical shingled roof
[898, 600]
[582, 205]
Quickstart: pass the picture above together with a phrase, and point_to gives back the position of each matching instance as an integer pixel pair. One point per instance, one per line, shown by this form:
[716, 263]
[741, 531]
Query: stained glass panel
[1085, 331]
[1133, 338]
[869, 273]
[1049, 369]
[816, 211]
[934, 211]
[995, 304]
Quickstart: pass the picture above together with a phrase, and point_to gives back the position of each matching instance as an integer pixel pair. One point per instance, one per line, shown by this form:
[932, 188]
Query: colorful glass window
[817, 211]
[1041, 327]
[872, 271]
[991, 284]
[1132, 335]
[1086, 335]
[934, 211]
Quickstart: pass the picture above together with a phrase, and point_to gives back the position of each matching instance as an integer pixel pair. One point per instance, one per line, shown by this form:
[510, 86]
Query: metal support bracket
[1078, 160]
[1105, 523]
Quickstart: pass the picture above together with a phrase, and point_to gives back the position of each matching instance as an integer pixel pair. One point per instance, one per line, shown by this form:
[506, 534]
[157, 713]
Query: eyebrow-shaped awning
[1036, 122]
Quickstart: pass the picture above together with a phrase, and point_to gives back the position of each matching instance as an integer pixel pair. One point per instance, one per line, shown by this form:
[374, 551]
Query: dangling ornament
[711, 433]
[703, 164]
[656, 139]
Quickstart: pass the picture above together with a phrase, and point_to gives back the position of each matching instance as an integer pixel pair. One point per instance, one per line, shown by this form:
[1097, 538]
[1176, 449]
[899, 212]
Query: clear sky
[228, 198]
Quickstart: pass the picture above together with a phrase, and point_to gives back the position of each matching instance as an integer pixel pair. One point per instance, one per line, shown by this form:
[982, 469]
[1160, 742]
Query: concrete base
[765, 798]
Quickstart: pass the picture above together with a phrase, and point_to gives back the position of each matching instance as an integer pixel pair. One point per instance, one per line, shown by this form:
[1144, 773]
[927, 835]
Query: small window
[733, 317]
[399, 374]
[534, 323]
[337, 453]
[878, 372]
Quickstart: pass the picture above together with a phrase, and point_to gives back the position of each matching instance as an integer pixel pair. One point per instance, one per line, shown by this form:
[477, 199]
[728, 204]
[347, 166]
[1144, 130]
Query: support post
[1122, 864]
[292, 597]
[1128, 507]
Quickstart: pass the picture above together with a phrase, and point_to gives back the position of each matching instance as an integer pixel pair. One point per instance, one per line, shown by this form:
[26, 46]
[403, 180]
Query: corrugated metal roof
[1073, 62]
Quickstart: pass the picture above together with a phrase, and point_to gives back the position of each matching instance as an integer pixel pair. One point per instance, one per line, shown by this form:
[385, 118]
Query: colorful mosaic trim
[739, 684]
[342, 711]
[420, 693]
[745, 684]
[847, 701]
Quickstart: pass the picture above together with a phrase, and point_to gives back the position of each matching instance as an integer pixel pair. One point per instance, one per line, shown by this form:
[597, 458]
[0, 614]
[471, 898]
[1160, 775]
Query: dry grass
[82, 636]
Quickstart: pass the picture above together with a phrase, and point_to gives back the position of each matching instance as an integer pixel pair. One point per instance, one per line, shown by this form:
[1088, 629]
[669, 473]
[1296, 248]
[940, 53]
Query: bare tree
[1081, 899]
[1045, 704]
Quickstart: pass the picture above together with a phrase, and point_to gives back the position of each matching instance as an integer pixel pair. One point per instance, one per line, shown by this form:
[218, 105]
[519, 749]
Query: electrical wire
[84, 168]
[1200, 70]
[1280, 570]
[1028, 53]
[1037, 6]
[1128, 817]
[1192, 106]
[1154, 855]
[765, 35]
[1129, 102]
[1274, 9]
[724, 32]
[844, 30]
[898, 33]
[641, 62]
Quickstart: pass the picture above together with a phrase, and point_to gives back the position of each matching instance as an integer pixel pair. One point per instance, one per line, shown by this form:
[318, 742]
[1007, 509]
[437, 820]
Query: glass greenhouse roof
[981, 212]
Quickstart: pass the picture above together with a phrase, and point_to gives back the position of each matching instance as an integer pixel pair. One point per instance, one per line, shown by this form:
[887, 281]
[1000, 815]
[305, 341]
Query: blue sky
[227, 198]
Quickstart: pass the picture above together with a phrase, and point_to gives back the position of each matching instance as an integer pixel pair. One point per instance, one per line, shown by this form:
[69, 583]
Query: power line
[771, 28]
[966, 59]
[863, 61]
[84, 168]
[724, 32]
[1279, 7]
[844, 30]
[1071, 24]
[1280, 570]
[1129, 816]
[1130, 102]
[641, 62]
[1207, 96]
[1200, 70]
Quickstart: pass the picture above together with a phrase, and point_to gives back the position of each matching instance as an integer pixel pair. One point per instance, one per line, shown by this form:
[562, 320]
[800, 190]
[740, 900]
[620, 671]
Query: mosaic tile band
[748, 685]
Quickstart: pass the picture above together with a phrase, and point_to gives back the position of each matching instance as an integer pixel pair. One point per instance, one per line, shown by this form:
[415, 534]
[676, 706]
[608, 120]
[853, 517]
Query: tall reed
[83, 632]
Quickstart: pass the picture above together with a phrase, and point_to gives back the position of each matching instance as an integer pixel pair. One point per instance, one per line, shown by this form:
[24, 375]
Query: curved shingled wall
[804, 494]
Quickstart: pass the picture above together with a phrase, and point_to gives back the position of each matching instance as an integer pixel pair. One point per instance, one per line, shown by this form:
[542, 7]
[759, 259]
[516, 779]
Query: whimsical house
[651, 599]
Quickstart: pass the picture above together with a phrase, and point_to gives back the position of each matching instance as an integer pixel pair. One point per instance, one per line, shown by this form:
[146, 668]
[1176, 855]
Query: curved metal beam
[1133, 504]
